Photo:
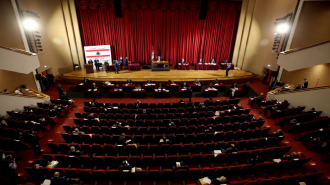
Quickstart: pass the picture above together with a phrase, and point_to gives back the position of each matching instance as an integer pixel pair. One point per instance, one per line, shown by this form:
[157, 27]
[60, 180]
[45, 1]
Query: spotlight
[282, 28]
[30, 24]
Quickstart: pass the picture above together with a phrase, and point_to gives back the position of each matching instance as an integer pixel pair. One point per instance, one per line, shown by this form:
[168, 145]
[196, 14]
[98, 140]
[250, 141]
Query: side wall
[314, 98]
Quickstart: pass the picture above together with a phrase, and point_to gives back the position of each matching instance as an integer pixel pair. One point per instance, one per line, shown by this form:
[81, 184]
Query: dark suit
[60, 90]
[90, 61]
[76, 153]
[125, 62]
[129, 81]
[160, 87]
[117, 67]
[86, 81]
[121, 141]
[196, 82]
[245, 90]
[183, 61]
[183, 86]
[58, 181]
[106, 65]
[96, 63]
[305, 84]
[228, 68]
[189, 93]
[120, 61]
[228, 150]
[34, 143]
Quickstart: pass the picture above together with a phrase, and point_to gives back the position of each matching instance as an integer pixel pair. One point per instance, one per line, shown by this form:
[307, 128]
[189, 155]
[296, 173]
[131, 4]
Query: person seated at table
[180, 165]
[183, 61]
[298, 86]
[160, 86]
[73, 151]
[138, 87]
[149, 81]
[184, 85]
[277, 133]
[219, 181]
[76, 132]
[210, 86]
[208, 130]
[117, 87]
[91, 116]
[18, 91]
[216, 81]
[212, 61]
[181, 100]
[279, 84]
[201, 105]
[129, 81]
[125, 166]
[39, 163]
[170, 82]
[234, 85]
[159, 58]
[93, 86]
[196, 82]
[86, 81]
[164, 140]
[90, 61]
[200, 61]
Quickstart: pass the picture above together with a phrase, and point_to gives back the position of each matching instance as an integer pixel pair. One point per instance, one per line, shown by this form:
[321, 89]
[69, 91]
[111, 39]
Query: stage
[204, 76]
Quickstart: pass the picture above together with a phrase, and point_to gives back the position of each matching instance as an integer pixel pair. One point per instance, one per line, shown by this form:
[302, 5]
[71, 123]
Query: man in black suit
[126, 62]
[90, 61]
[305, 83]
[246, 89]
[117, 87]
[129, 81]
[86, 81]
[106, 65]
[57, 180]
[230, 149]
[120, 60]
[93, 86]
[183, 61]
[74, 152]
[212, 61]
[189, 93]
[122, 140]
[159, 58]
[34, 143]
[160, 86]
[200, 61]
[184, 86]
[117, 65]
[91, 116]
[96, 63]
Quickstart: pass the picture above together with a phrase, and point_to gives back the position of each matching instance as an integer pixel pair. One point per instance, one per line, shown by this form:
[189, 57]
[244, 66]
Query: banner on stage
[102, 53]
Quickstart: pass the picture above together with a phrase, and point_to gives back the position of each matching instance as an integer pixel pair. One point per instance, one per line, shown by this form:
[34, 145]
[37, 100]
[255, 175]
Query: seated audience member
[138, 86]
[18, 91]
[5, 91]
[298, 86]
[122, 140]
[129, 81]
[3, 123]
[117, 87]
[234, 85]
[180, 166]
[20, 137]
[216, 81]
[73, 151]
[184, 85]
[315, 140]
[277, 133]
[239, 106]
[312, 110]
[94, 103]
[255, 160]
[125, 166]
[76, 132]
[137, 103]
[171, 124]
[209, 100]
[170, 82]
[164, 141]
[93, 86]
[57, 180]
[201, 105]
[91, 116]
[209, 130]
[230, 149]
[160, 86]
[181, 100]
[292, 122]
[149, 81]
[39, 163]
[196, 82]
[260, 118]
[293, 155]
[65, 97]
[219, 181]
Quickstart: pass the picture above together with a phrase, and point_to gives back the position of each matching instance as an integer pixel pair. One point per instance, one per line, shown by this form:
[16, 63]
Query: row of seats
[170, 148]
[31, 116]
[58, 102]
[174, 138]
[305, 136]
[299, 117]
[111, 129]
[290, 111]
[308, 125]
[156, 174]
[27, 125]
[164, 105]
[10, 144]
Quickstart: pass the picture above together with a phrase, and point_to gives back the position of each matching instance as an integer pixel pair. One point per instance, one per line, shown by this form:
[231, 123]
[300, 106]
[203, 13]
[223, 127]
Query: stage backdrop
[170, 28]
[103, 53]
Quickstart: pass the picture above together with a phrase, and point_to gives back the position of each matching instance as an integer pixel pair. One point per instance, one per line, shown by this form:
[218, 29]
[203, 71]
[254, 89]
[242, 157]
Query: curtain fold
[172, 28]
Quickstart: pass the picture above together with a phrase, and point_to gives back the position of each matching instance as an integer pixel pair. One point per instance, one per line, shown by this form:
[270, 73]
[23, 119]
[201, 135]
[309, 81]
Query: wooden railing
[30, 93]
[299, 90]
[18, 50]
[302, 48]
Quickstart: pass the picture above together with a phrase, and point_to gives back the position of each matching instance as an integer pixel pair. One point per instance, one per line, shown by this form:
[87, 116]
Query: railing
[302, 48]
[31, 93]
[18, 50]
[299, 90]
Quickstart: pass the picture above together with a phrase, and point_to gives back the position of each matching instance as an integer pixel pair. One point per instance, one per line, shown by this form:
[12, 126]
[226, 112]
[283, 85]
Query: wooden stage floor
[159, 76]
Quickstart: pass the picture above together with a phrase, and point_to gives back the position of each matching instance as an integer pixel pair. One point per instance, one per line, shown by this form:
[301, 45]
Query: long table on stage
[220, 86]
[138, 93]
[92, 93]
[149, 87]
[172, 87]
[182, 92]
[82, 87]
[134, 67]
[107, 87]
[210, 92]
[195, 87]
[161, 93]
[207, 66]
[183, 66]
[155, 63]
[116, 93]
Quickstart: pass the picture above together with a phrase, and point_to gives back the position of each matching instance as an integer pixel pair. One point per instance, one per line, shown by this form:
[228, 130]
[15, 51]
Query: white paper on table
[206, 90]
[125, 170]
[277, 160]
[89, 89]
[133, 170]
[46, 182]
[81, 84]
[216, 84]
[95, 89]
[156, 90]
[177, 164]
[207, 180]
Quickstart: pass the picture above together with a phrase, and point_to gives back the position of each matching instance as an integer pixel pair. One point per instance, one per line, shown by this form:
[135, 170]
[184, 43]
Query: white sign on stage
[102, 53]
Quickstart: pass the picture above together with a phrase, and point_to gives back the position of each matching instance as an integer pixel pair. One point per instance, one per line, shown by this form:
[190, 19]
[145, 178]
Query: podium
[89, 68]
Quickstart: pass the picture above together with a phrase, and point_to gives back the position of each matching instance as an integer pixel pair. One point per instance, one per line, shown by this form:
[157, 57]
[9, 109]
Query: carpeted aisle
[258, 87]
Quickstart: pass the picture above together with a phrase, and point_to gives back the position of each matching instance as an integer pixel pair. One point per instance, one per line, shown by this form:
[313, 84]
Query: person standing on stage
[126, 62]
[228, 68]
[106, 65]
[96, 63]
[120, 61]
[117, 67]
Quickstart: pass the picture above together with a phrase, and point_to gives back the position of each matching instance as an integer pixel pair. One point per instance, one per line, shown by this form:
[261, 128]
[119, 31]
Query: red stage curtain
[172, 28]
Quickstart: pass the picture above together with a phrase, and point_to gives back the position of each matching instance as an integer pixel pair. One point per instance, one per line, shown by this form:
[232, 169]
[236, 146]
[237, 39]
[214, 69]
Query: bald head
[56, 174]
